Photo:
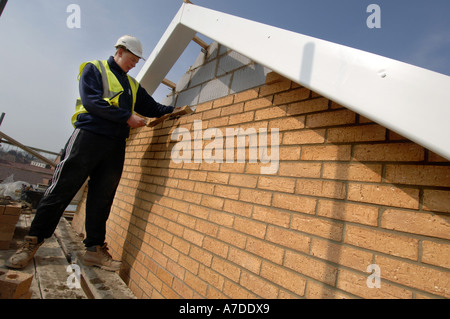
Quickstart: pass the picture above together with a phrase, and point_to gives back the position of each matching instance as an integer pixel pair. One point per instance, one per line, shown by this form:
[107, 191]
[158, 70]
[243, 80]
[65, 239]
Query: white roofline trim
[409, 100]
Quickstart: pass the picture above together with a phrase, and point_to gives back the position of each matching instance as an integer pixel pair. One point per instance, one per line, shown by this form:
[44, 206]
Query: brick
[205, 227]
[227, 191]
[417, 223]
[294, 203]
[367, 133]
[289, 153]
[273, 77]
[232, 289]
[296, 169]
[221, 218]
[343, 255]
[223, 101]
[311, 267]
[211, 114]
[356, 284]
[7, 232]
[245, 260]
[232, 109]
[258, 286]
[182, 289]
[291, 96]
[241, 118]
[289, 239]
[284, 278]
[436, 253]
[216, 247]
[255, 196]
[415, 276]
[226, 268]
[14, 284]
[288, 123]
[258, 104]
[353, 172]
[211, 277]
[279, 184]
[384, 195]
[275, 88]
[212, 202]
[340, 117]
[13, 209]
[193, 237]
[304, 137]
[433, 157]
[246, 95]
[250, 227]
[361, 214]
[189, 264]
[330, 189]
[308, 106]
[265, 250]
[243, 180]
[271, 112]
[317, 226]
[385, 242]
[271, 216]
[204, 106]
[238, 208]
[201, 255]
[326, 153]
[196, 284]
[418, 175]
[4, 244]
[404, 152]
[318, 291]
[232, 237]
[436, 200]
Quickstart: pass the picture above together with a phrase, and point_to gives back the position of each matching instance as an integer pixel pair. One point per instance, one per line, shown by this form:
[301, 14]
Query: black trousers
[86, 155]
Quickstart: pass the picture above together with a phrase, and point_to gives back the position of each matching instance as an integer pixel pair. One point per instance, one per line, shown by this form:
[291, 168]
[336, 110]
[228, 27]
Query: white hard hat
[132, 44]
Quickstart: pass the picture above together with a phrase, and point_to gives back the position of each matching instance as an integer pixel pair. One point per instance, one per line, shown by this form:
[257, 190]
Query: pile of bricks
[15, 285]
[9, 216]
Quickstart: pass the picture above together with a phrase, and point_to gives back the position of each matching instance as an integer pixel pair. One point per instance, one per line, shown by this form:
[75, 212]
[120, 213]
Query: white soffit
[409, 100]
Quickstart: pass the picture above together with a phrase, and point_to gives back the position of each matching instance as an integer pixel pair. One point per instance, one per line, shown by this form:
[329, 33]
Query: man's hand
[136, 121]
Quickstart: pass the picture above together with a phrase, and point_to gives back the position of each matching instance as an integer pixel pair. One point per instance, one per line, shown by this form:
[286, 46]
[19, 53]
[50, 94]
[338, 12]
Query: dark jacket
[108, 120]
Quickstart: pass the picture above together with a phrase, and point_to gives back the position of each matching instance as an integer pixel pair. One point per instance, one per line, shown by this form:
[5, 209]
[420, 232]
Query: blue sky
[40, 55]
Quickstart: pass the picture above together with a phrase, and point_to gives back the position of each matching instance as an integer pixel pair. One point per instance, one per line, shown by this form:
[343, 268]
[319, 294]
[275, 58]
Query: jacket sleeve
[91, 93]
[147, 106]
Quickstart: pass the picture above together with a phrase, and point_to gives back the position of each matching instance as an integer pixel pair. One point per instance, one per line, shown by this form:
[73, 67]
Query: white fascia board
[166, 53]
[409, 100]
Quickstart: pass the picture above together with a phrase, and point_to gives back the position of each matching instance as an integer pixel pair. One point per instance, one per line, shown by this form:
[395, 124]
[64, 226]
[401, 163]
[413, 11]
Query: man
[103, 117]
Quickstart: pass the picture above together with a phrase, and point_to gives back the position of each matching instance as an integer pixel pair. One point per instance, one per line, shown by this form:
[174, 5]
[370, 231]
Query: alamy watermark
[74, 279]
[374, 280]
[222, 148]
[374, 20]
[74, 19]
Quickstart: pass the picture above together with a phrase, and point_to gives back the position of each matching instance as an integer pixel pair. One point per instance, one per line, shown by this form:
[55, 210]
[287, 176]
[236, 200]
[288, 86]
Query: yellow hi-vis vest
[112, 89]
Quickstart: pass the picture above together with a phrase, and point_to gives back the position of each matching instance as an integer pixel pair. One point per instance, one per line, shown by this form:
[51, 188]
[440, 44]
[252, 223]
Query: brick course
[348, 193]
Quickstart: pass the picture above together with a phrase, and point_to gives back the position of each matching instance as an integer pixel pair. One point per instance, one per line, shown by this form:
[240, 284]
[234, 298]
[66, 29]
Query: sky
[41, 52]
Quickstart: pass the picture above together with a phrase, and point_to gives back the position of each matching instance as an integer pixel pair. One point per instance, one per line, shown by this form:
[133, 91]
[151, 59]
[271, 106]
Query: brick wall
[348, 194]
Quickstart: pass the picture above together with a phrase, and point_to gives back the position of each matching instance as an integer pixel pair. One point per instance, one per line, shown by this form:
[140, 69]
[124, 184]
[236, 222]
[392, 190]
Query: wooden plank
[52, 275]
[101, 284]
[27, 149]
[169, 83]
[200, 42]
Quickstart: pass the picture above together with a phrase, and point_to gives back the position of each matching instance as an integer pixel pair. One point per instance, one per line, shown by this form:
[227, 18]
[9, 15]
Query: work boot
[99, 256]
[25, 253]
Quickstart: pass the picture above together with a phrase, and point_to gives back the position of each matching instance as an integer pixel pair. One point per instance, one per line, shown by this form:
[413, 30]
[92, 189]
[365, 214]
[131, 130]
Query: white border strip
[409, 100]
